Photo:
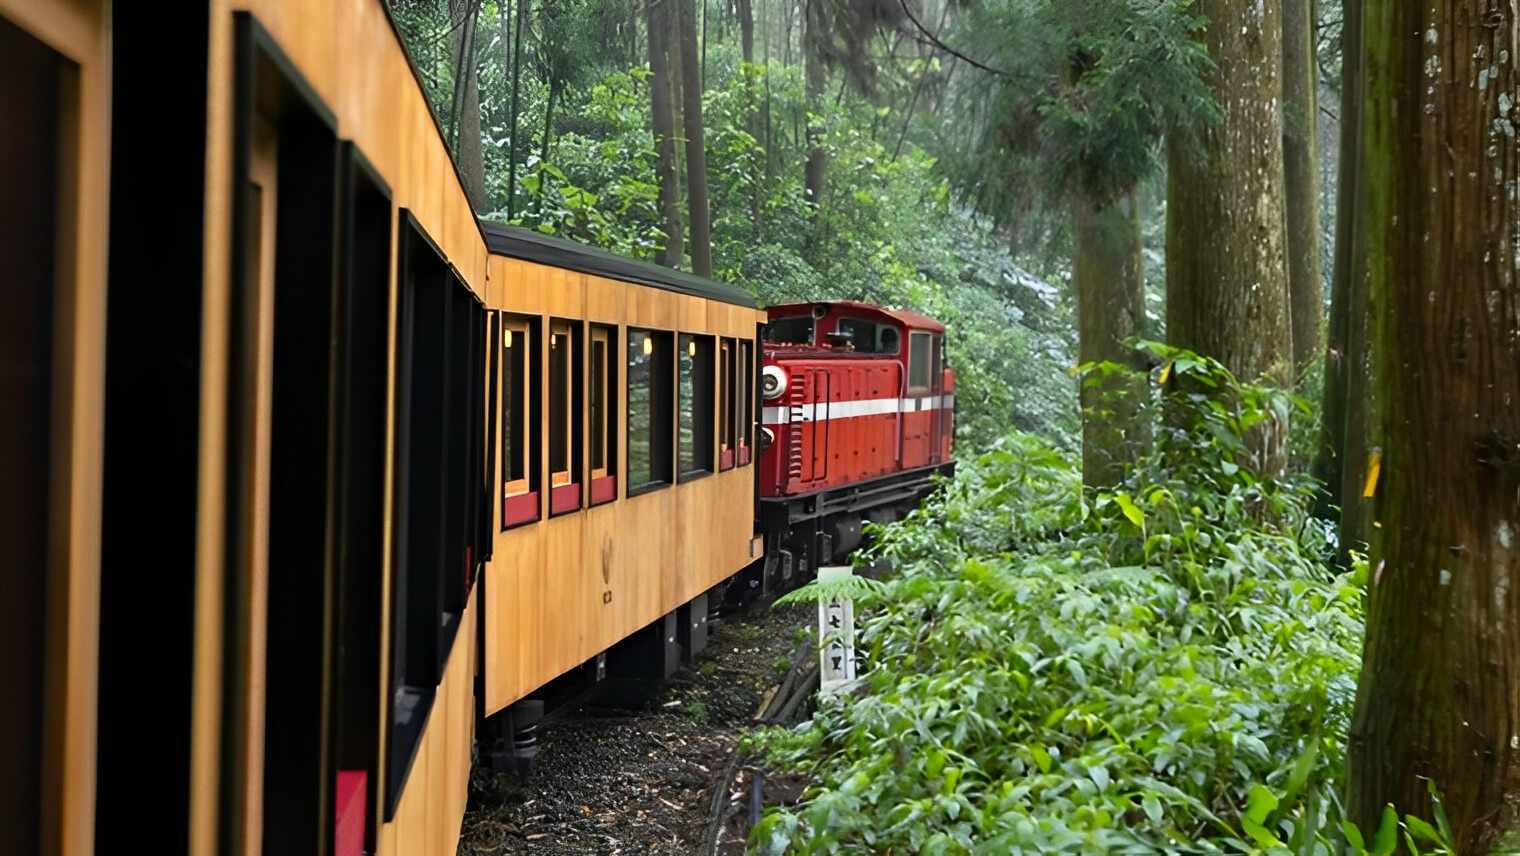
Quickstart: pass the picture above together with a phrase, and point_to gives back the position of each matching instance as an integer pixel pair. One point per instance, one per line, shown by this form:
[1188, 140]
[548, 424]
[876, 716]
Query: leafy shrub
[1167, 666]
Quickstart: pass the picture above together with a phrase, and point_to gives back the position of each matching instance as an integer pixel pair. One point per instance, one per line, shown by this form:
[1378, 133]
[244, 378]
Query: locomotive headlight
[772, 382]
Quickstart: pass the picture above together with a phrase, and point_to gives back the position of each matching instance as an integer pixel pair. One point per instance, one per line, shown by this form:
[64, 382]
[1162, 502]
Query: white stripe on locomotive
[820, 411]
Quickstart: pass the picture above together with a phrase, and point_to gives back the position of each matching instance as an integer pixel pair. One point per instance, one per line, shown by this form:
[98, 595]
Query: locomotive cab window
[564, 417]
[694, 438]
[600, 421]
[919, 361]
[518, 425]
[870, 337]
[727, 404]
[650, 376]
[797, 330]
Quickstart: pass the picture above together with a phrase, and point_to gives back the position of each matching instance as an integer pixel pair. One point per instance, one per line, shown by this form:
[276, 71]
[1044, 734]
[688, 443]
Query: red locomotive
[857, 417]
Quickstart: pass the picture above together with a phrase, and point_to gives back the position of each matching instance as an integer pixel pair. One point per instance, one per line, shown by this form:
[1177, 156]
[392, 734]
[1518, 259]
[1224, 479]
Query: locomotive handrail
[902, 394]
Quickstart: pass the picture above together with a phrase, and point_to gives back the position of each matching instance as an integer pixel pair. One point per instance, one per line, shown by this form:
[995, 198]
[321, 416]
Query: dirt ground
[645, 781]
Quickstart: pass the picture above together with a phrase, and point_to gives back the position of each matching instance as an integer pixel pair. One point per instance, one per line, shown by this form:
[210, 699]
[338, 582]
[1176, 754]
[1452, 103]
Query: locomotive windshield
[871, 337]
[797, 330]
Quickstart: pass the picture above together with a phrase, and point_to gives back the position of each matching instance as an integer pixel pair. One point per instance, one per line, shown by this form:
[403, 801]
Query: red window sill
[348, 816]
[726, 459]
[743, 455]
[519, 508]
[603, 490]
[565, 497]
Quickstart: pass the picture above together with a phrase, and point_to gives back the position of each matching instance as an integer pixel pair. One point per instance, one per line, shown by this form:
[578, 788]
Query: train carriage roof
[528, 245]
[909, 320]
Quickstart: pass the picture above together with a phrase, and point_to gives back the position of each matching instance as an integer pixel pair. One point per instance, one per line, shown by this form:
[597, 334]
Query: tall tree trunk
[466, 102]
[1439, 695]
[765, 59]
[746, 30]
[1226, 270]
[1301, 178]
[696, 156]
[812, 49]
[517, 40]
[1339, 457]
[1107, 272]
[543, 152]
[751, 117]
[662, 112]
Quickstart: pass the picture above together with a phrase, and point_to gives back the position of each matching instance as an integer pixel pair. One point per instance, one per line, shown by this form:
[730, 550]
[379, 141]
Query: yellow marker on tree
[1374, 465]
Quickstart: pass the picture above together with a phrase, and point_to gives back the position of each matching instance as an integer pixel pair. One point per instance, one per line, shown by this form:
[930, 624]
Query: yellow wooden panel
[606, 299]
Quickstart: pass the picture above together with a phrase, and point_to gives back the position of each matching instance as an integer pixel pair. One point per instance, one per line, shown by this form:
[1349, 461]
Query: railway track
[660, 779]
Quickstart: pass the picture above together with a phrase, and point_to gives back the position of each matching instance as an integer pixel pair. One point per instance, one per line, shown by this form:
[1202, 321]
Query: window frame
[727, 404]
[519, 499]
[915, 353]
[564, 483]
[662, 377]
[601, 407]
[744, 365]
[701, 349]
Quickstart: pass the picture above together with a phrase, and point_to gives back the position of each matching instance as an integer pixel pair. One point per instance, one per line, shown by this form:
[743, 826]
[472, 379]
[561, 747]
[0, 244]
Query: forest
[1231, 296]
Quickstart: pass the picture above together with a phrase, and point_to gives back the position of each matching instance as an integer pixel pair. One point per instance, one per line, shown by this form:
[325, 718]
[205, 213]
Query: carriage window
[520, 502]
[649, 409]
[727, 404]
[918, 360]
[746, 415]
[601, 407]
[602, 404]
[694, 440]
[561, 402]
[797, 330]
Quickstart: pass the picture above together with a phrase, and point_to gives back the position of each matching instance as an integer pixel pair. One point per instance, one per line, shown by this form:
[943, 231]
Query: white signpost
[836, 636]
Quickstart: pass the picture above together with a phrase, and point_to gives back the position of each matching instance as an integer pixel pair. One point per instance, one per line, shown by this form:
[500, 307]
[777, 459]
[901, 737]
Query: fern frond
[857, 588]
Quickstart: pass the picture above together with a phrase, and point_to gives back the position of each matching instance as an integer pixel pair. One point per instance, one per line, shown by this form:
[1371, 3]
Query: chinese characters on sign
[836, 635]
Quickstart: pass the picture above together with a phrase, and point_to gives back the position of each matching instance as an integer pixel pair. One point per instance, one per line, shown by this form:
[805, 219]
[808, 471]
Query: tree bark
[1107, 272]
[543, 152]
[696, 155]
[662, 113]
[1439, 694]
[517, 39]
[1341, 452]
[812, 37]
[746, 30]
[1226, 272]
[466, 103]
[1301, 179]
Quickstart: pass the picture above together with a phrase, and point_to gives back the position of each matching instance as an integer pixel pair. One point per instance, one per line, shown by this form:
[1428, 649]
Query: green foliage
[853, 587]
[1167, 666]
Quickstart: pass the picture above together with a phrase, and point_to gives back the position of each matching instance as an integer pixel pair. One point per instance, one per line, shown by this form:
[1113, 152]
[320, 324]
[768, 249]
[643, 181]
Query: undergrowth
[1166, 666]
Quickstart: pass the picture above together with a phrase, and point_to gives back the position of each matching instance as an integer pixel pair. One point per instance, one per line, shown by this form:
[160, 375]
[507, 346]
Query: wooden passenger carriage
[310, 473]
